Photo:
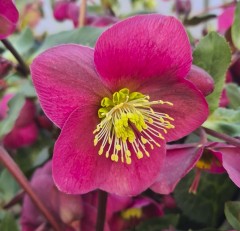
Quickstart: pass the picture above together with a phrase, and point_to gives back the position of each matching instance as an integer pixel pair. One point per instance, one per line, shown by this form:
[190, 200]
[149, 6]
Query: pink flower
[140, 209]
[183, 6]
[66, 10]
[119, 104]
[225, 20]
[210, 157]
[70, 10]
[25, 130]
[67, 209]
[8, 18]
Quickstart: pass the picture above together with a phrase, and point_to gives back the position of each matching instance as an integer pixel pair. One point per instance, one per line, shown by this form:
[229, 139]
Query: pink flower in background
[180, 159]
[8, 18]
[124, 213]
[67, 209]
[70, 10]
[140, 209]
[183, 6]
[119, 104]
[225, 20]
[210, 157]
[66, 10]
[25, 130]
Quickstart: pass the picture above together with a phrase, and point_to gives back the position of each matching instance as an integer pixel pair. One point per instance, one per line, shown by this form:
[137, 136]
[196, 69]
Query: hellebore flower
[211, 157]
[67, 209]
[8, 18]
[119, 104]
[25, 130]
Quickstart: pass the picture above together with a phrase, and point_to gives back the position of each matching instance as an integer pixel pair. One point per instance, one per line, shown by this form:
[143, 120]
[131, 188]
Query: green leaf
[85, 36]
[224, 120]
[8, 223]
[198, 19]
[8, 187]
[235, 31]
[232, 212]
[206, 207]
[233, 93]
[213, 55]
[15, 106]
[23, 43]
[156, 224]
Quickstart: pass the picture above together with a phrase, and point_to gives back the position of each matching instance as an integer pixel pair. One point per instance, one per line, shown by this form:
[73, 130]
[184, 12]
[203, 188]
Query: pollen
[207, 160]
[130, 126]
[132, 213]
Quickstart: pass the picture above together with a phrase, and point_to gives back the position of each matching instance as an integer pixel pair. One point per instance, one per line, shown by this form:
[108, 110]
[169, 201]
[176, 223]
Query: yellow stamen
[131, 213]
[128, 122]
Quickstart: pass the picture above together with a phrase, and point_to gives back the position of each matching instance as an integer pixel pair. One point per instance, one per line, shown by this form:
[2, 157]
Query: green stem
[23, 67]
[12, 167]
[221, 136]
[102, 205]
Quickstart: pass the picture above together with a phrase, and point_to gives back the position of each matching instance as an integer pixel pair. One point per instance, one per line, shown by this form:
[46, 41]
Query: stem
[23, 66]
[102, 205]
[221, 136]
[82, 14]
[12, 167]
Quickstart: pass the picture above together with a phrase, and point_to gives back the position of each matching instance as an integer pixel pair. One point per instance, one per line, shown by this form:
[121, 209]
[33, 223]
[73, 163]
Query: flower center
[130, 213]
[207, 160]
[128, 122]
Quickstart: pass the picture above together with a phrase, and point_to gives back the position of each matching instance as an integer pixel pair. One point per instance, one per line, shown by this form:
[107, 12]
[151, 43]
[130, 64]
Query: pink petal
[141, 47]
[216, 163]
[225, 20]
[21, 136]
[27, 114]
[8, 18]
[179, 161]
[224, 100]
[130, 180]
[201, 79]
[65, 78]
[189, 108]
[231, 162]
[60, 11]
[77, 167]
